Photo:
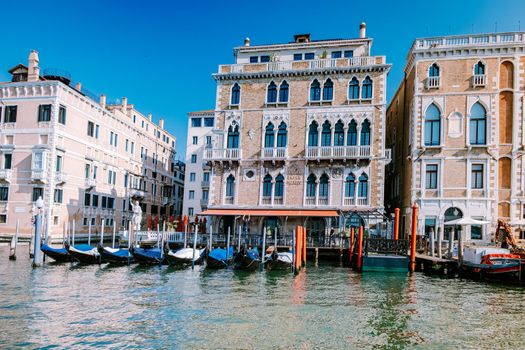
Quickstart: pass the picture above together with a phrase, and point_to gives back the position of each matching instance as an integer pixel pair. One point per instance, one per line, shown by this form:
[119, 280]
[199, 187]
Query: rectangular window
[196, 122]
[87, 171]
[97, 127]
[349, 53]
[58, 167]
[208, 122]
[87, 200]
[205, 195]
[91, 129]
[95, 172]
[134, 118]
[38, 161]
[37, 192]
[191, 195]
[190, 211]
[206, 176]
[62, 115]
[309, 56]
[132, 147]
[477, 176]
[3, 219]
[8, 159]
[4, 194]
[126, 145]
[195, 139]
[111, 203]
[111, 138]
[44, 113]
[336, 54]
[430, 225]
[95, 200]
[192, 177]
[208, 141]
[297, 56]
[265, 59]
[10, 114]
[58, 195]
[193, 158]
[104, 202]
[476, 231]
[431, 176]
[254, 59]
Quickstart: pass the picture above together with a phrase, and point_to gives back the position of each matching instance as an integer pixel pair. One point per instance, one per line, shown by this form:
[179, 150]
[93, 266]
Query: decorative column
[317, 181]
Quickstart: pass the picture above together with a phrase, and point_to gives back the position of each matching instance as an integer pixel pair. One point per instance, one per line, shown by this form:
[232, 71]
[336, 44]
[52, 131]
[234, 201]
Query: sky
[161, 54]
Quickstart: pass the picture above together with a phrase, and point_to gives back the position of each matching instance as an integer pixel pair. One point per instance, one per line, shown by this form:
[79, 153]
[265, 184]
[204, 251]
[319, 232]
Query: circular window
[250, 174]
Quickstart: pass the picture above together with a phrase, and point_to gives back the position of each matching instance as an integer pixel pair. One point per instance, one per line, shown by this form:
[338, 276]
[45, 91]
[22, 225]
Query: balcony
[38, 175]
[90, 183]
[205, 184]
[278, 201]
[266, 200]
[204, 203]
[273, 153]
[228, 200]
[432, 83]
[61, 178]
[352, 201]
[479, 80]
[467, 40]
[135, 193]
[5, 175]
[165, 200]
[302, 65]
[222, 154]
[338, 152]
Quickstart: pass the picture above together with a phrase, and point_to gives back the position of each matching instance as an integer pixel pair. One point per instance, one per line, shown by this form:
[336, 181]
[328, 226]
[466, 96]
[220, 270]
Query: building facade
[455, 126]
[85, 157]
[299, 136]
[198, 171]
[179, 170]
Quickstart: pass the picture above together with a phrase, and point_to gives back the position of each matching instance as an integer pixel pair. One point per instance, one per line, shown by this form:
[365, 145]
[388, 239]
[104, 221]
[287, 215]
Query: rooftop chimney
[247, 41]
[161, 123]
[33, 69]
[150, 117]
[301, 38]
[124, 104]
[103, 101]
[362, 30]
[78, 86]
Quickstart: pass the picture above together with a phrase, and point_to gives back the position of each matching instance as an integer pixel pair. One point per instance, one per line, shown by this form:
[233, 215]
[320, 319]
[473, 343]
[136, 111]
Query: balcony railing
[205, 184]
[222, 154]
[310, 201]
[5, 175]
[362, 201]
[266, 200]
[274, 153]
[323, 201]
[91, 182]
[38, 175]
[302, 65]
[432, 82]
[204, 202]
[340, 152]
[61, 177]
[468, 40]
[278, 201]
[479, 80]
[228, 200]
[352, 201]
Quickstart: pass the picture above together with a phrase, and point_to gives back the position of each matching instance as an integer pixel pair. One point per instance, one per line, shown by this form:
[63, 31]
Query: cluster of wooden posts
[299, 248]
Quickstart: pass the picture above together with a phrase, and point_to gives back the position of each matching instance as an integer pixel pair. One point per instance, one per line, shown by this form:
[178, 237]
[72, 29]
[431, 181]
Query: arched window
[362, 190]
[365, 133]
[230, 186]
[313, 135]
[315, 91]
[367, 89]
[350, 186]
[478, 124]
[236, 94]
[282, 135]
[433, 70]
[269, 136]
[233, 136]
[479, 68]
[267, 186]
[326, 134]
[353, 89]
[279, 186]
[323, 186]
[351, 137]
[339, 134]
[311, 186]
[432, 126]
[328, 90]
[283, 92]
[272, 93]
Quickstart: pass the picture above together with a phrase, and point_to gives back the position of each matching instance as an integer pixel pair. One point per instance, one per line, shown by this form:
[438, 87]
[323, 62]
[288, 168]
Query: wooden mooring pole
[351, 248]
[360, 249]
[413, 238]
[263, 250]
[303, 229]
[396, 224]
[14, 242]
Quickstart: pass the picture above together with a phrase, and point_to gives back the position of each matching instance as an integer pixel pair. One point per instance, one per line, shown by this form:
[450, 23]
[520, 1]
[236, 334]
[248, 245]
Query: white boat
[279, 261]
[184, 256]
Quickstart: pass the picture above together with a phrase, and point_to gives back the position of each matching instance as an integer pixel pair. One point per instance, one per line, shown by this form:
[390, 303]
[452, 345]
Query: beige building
[299, 136]
[455, 126]
[86, 158]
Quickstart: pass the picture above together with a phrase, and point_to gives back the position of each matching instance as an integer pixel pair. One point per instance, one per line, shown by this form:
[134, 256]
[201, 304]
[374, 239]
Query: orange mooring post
[352, 242]
[396, 224]
[304, 246]
[415, 210]
[298, 249]
[360, 249]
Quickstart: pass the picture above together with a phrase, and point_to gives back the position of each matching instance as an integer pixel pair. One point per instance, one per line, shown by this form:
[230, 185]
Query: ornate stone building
[299, 136]
[455, 126]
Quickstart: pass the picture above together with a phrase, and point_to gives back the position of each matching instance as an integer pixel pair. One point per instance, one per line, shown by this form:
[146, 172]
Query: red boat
[497, 265]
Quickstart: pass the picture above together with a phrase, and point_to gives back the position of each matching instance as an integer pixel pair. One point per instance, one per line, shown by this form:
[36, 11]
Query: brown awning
[270, 212]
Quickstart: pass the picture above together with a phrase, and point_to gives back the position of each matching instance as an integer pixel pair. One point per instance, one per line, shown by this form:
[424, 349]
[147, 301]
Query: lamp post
[38, 257]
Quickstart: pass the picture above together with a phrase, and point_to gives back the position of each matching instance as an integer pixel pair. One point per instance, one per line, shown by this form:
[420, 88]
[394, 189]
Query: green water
[66, 306]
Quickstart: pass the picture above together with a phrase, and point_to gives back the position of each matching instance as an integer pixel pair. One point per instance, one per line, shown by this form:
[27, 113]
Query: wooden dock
[429, 263]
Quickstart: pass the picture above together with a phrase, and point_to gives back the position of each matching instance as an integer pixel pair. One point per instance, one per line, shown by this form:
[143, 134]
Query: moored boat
[219, 259]
[83, 253]
[279, 260]
[185, 256]
[504, 266]
[147, 256]
[57, 254]
[119, 256]
[247, 259]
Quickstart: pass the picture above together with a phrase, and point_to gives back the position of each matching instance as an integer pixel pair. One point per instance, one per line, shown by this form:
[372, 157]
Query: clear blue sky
[161, 54]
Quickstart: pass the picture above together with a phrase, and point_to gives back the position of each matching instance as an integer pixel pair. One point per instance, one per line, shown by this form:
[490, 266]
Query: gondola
[184, 256]
[279, 260]
[83, 253]
[149, 256]
[218, 259]
[117, 256]
[247, 259]
[57, 254]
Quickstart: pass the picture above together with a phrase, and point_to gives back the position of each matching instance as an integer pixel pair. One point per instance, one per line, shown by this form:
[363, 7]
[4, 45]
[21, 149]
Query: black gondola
[58, 254]
[83, 253]
[247, 259]
[150, 256]
[115, 255]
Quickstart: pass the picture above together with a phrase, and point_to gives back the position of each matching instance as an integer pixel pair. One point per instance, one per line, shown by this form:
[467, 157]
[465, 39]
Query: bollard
[360, 249]
[413, 238]
[38, 258]
[396, 224]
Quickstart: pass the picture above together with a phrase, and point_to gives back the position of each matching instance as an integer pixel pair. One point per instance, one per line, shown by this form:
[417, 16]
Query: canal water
[67, 306]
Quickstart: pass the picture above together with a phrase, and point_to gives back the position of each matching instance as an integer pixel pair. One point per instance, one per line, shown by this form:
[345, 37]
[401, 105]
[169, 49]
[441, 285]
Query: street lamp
[38, 257]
